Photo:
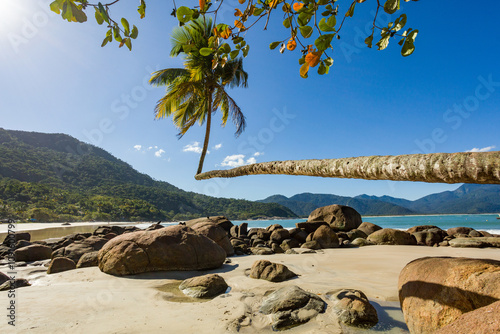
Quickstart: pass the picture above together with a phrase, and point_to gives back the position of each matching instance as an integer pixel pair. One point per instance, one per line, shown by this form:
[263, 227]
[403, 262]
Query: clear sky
[55, 77]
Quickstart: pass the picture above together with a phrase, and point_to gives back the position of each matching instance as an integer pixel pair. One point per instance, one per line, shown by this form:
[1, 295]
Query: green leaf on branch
[383, 42]
[106, 40]
[287, 22]
[98, 16]
[391, 6]
[56, 6]
[116, 33]
[128, 43]
[323, 42]
[258, 11]
[369, 41]
[245, 50]
[324, 26]
[233, 54]
[135, 32]
[274, 45]
[350, 12]
[408, 46]
[126, 26]
[103, 12]
[328, 61]
[322, 69]
[142, 9]
[206, 51]
[306, 31]
[400, 22]
[304, 18]
[184, 14]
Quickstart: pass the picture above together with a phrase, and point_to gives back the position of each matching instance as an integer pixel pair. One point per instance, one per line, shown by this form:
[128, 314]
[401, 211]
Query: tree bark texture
[463, 167]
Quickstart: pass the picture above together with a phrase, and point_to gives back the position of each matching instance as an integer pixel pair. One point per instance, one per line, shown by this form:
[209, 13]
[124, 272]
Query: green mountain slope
[56, 177]
[468, 198]
[303, 204]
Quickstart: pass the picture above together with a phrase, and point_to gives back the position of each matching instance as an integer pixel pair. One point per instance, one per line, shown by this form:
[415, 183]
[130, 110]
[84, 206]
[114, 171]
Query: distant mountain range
[55, 177]
[468, 198]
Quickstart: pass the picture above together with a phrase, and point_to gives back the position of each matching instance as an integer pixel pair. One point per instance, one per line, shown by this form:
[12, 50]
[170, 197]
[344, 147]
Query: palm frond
[166, 76]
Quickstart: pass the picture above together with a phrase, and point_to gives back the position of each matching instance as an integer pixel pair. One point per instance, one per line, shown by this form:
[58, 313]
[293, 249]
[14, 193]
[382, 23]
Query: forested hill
[467, 198]
[303, 204]
[55, 177]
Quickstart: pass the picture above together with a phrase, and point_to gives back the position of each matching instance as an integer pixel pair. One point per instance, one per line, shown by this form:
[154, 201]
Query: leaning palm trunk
[467, 167]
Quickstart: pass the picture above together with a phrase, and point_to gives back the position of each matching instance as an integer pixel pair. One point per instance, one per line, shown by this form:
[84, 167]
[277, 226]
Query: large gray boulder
[171, 248]
[369, 228]
[206, 286]
[273, 272]
[339, 217]
[436, 291]
[291, 306]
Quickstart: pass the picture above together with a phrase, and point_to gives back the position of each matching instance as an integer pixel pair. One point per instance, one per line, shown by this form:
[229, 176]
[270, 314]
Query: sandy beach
[89, 301]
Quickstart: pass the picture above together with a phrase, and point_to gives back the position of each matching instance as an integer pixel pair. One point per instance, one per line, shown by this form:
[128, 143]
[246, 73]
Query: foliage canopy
[312, 26]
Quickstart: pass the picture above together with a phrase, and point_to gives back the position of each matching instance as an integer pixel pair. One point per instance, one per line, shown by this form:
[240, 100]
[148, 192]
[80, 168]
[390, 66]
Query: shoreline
[130, 304]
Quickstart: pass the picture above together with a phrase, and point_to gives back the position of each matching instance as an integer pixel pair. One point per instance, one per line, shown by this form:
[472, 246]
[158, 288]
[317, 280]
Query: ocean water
[480, 222]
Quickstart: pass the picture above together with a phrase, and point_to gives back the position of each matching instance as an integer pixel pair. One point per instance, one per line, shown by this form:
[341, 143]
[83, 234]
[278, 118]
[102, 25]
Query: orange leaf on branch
[298, 6]
[291, 45]
[239, 25]
[313, 57]
[238, 12]
[202, 5]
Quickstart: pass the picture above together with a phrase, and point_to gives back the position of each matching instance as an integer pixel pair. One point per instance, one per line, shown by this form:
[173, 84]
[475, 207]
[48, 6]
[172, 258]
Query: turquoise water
[482, 222]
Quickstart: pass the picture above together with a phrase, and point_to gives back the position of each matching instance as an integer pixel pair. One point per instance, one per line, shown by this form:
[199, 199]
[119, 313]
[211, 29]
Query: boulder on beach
[421, 228]
[171, 248]
[339, 217]
[459, 230]
[429, 237]
[216, 233]
[326, 237]
[17, 283]
[436, 291]
[361, 242]
[389, 236]
[88, 260]
[484, 320]
[480, 242]
[368, 228]
[12, 238]
[206, 286]
[33, 252]
[291, 306]
[76, 249]
[261, 251]
[279, 235]
[217, 220]
[3, 278]
[60, 264]
[354, 309]
[313, 244]
[274, 227]
[269, 271]
[310, 227]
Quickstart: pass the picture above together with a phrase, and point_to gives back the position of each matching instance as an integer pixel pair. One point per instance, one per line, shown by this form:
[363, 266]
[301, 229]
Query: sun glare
[12, 13]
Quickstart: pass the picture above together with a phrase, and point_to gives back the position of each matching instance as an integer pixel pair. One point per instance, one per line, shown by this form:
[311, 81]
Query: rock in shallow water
[291, 306]
[354, 308]
[206, 286]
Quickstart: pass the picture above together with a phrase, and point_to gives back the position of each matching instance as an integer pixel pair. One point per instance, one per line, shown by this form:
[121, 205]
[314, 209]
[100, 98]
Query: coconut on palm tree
[196, 91]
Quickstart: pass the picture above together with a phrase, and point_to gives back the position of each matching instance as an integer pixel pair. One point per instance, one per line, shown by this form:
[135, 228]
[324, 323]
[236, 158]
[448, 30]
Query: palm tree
[463, 167]
[196, 91]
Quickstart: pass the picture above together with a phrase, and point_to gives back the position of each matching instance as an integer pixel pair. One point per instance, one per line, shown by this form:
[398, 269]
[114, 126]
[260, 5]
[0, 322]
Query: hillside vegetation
[55, 177]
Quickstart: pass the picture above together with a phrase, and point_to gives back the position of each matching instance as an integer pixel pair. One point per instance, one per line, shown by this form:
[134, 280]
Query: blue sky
[445, 97]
